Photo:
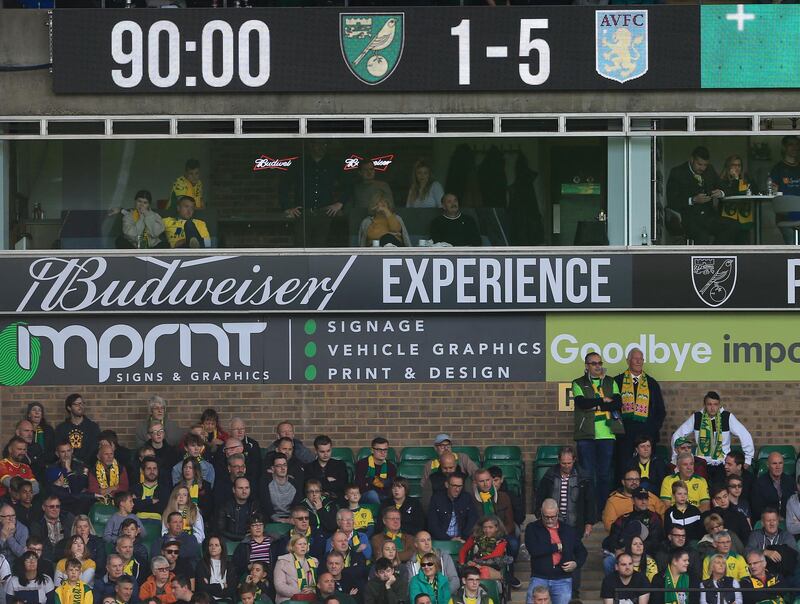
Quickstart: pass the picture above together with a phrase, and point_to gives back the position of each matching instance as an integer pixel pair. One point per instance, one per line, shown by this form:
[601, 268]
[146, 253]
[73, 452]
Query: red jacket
[464, 555]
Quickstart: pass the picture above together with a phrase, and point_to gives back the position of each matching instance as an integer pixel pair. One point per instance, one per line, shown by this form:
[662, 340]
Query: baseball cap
[641, 493]
[682, 441]
[440, 438]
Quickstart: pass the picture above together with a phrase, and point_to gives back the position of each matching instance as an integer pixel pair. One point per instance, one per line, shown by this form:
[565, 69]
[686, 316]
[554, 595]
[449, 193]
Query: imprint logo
[12, 372]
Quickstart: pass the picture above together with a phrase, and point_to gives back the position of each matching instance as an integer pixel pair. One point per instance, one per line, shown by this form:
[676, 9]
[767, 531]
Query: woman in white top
[179, 501]
[424, 192]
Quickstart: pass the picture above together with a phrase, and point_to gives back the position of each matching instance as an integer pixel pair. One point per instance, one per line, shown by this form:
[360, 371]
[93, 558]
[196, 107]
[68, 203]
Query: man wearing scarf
[761, 578]
[108, 477]
[392, 532]
[597, 423]
[713, 427]
[375, 473]
[675, 579]
[642, 407]
[150, 496]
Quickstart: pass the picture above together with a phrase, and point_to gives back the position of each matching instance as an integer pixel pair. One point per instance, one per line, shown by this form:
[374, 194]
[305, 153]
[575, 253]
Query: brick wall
[523, 414]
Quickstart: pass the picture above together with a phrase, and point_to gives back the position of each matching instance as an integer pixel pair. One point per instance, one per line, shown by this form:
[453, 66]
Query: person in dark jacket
[761, 578]
[651, 468]
[385, 587]
[596, 424]
[233, 517]
[52, 526]
[413, 516]
[443, 506]
[733, 519]
[215, 573]
[556, 551]
[332, 473]
[643, 410]
[257, 546]
[279, 491]
[676, 539]
[640, 516]
[578, 508]
[773, 488]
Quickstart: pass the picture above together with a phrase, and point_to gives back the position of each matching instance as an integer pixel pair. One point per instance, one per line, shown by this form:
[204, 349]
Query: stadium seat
[375, 508]
[474, 453]
[663, 452]
[99, 515]
[539, 473]
[492, 590]
[759, 524]
[152, 531]
[502, 452]
[230, 547]
[448, 547]
[411, 470]
[344, 454]
[417, 454]
[415, 490]
[514, 486]
[547, 453]
[367, 451]
[277, 529]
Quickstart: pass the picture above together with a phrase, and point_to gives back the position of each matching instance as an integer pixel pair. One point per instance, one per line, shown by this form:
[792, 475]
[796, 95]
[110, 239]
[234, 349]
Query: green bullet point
[310, 327]
[311, 372]
[311, 350]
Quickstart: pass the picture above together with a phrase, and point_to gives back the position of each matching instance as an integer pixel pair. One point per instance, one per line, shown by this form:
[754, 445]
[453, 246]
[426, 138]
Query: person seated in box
[185, 230]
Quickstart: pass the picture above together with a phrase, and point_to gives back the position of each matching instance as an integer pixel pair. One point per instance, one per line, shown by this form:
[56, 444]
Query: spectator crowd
[210, 515]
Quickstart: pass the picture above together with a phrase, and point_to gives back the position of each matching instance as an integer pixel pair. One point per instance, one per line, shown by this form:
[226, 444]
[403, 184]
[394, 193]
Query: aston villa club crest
[372, 44]
[621, 44]
[714, 278]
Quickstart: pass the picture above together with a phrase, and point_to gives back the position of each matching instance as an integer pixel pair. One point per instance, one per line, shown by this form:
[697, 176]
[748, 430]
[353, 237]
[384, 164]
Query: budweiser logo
[381, 162]
[265, 162]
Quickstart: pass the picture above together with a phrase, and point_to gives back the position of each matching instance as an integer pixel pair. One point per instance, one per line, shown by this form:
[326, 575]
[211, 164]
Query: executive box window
[78, 194]
[739, 167]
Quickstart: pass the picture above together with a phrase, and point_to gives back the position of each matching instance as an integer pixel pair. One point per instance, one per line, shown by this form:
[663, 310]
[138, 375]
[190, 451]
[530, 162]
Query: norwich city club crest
[372, 44]
[621, 44]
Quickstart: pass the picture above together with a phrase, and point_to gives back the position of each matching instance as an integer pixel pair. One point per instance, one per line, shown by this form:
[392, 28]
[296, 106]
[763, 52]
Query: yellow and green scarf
[709, 442]
[107, 477]
[635, 407]
[397, 538]
[377, 477]
[670, 583]
[598, 392]
[487, 501]
[305, 578]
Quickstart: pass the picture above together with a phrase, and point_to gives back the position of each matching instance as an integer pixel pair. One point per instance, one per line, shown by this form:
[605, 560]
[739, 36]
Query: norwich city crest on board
[621, 44]
[372, 44]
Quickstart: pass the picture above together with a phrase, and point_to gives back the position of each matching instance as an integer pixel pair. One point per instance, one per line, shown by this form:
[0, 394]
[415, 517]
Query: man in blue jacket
[452, 513]
[556, 553]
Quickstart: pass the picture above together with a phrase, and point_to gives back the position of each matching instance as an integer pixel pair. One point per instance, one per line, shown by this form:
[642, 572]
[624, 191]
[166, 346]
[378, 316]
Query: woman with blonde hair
[719, 588]
[296, 573]
[95, 546]
[424, 192]
[431, 581]
[383, 226]
[179, 501]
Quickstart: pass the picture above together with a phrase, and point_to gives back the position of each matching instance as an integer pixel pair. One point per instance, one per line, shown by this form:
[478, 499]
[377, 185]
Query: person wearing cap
[444, 444]
[685, 445]
[639, 522]
[698, 487]
[713, 427]
[620, 502]
[597, 423]
[643, 409]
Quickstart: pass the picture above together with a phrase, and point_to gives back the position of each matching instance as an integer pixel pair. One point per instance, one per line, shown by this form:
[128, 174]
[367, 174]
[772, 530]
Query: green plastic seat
[351, 470]
[503, 452]
[411, 470]
[514, 486]
[492, 590]
[538, 474]
[99, 514]
[474, 453]
[547, 453]
[448, 547]
[152, 531]
[759, 524]
[230, 547]
[367, 451]
[787, 451]
[417, 454]
[277, 529]
[663, 452]
[414, 489]
[344, 454]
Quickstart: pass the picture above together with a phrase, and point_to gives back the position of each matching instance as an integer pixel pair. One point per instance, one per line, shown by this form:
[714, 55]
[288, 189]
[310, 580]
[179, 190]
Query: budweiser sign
[381, 162]
[265, 162]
